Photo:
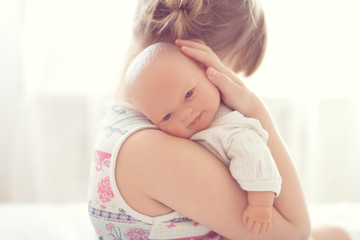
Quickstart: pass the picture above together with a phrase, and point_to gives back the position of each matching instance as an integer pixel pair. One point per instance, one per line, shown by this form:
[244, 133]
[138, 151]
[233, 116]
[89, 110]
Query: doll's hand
[234, 93]
[258, 218]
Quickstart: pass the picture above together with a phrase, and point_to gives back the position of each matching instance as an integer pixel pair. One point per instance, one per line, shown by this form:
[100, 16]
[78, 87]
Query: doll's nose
[185, 113]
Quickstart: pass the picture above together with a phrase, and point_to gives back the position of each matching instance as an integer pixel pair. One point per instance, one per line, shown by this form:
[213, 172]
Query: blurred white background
[61, 59]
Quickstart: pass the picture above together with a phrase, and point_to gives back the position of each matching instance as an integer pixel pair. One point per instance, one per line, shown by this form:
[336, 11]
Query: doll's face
[176, 95]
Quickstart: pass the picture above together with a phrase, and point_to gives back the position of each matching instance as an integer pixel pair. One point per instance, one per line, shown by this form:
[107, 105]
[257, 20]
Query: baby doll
[173, 91]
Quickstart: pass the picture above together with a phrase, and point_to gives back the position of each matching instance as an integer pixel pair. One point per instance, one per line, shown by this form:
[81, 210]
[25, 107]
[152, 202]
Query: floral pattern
[101, 159]
[110, 220]
[116, 234]
[137, 234]
[104, 190]
[110, 227]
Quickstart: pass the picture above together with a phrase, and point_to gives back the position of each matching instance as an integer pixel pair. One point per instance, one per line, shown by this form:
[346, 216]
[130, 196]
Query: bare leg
[325, 232]
[329, 232]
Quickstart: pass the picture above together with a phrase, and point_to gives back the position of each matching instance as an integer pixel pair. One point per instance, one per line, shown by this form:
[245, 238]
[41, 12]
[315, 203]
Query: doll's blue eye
[167, 116]
[189, 93]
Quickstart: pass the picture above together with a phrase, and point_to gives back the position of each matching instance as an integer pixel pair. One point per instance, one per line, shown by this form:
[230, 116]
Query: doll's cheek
[176, 132]
[180, 132]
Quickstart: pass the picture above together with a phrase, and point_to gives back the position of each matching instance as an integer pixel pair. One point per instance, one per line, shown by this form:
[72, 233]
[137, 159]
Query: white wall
[59, 61]
[10, 80]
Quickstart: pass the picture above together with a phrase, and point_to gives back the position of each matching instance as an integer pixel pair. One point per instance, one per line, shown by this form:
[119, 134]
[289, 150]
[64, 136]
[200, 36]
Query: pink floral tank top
[110, 215]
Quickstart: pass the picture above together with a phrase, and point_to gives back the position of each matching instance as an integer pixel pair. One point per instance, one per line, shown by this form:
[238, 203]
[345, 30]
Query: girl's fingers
[220, 80]
[200, 52]
[194, 43]
[216, 78]
[195, 53]
[197, 45]
[202, 56]
[209, 59]
[197, 50]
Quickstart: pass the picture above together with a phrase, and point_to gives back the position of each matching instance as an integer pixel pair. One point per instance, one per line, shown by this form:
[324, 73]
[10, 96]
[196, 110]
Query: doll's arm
[258, 213]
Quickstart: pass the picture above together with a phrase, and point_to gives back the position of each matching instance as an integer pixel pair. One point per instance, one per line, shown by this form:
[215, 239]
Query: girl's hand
[234, 93]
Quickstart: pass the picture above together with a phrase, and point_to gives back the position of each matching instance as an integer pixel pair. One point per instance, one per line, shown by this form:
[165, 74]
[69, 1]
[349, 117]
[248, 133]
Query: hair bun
[179, 6]
[178, 15]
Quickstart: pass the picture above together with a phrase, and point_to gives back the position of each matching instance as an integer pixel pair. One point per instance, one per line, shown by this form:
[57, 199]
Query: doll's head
[172, 90]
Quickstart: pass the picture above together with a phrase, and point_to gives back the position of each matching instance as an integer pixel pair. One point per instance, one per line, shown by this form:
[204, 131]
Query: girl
[146, 184]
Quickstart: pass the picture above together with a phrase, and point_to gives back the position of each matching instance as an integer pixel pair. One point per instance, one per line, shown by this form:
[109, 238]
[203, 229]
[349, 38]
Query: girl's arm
[291, 202]
[183, 176]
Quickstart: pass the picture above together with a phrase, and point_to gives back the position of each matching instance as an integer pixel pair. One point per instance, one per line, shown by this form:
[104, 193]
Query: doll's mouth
[196, 121]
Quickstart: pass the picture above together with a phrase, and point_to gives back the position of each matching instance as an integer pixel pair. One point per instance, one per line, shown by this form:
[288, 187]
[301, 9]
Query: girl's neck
[120, 93]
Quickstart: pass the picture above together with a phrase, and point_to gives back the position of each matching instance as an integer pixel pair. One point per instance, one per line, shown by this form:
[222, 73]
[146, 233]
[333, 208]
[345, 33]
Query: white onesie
[241, 143]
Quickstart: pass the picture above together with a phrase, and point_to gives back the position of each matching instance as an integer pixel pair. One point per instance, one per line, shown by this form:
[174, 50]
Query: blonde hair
[234, 29]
